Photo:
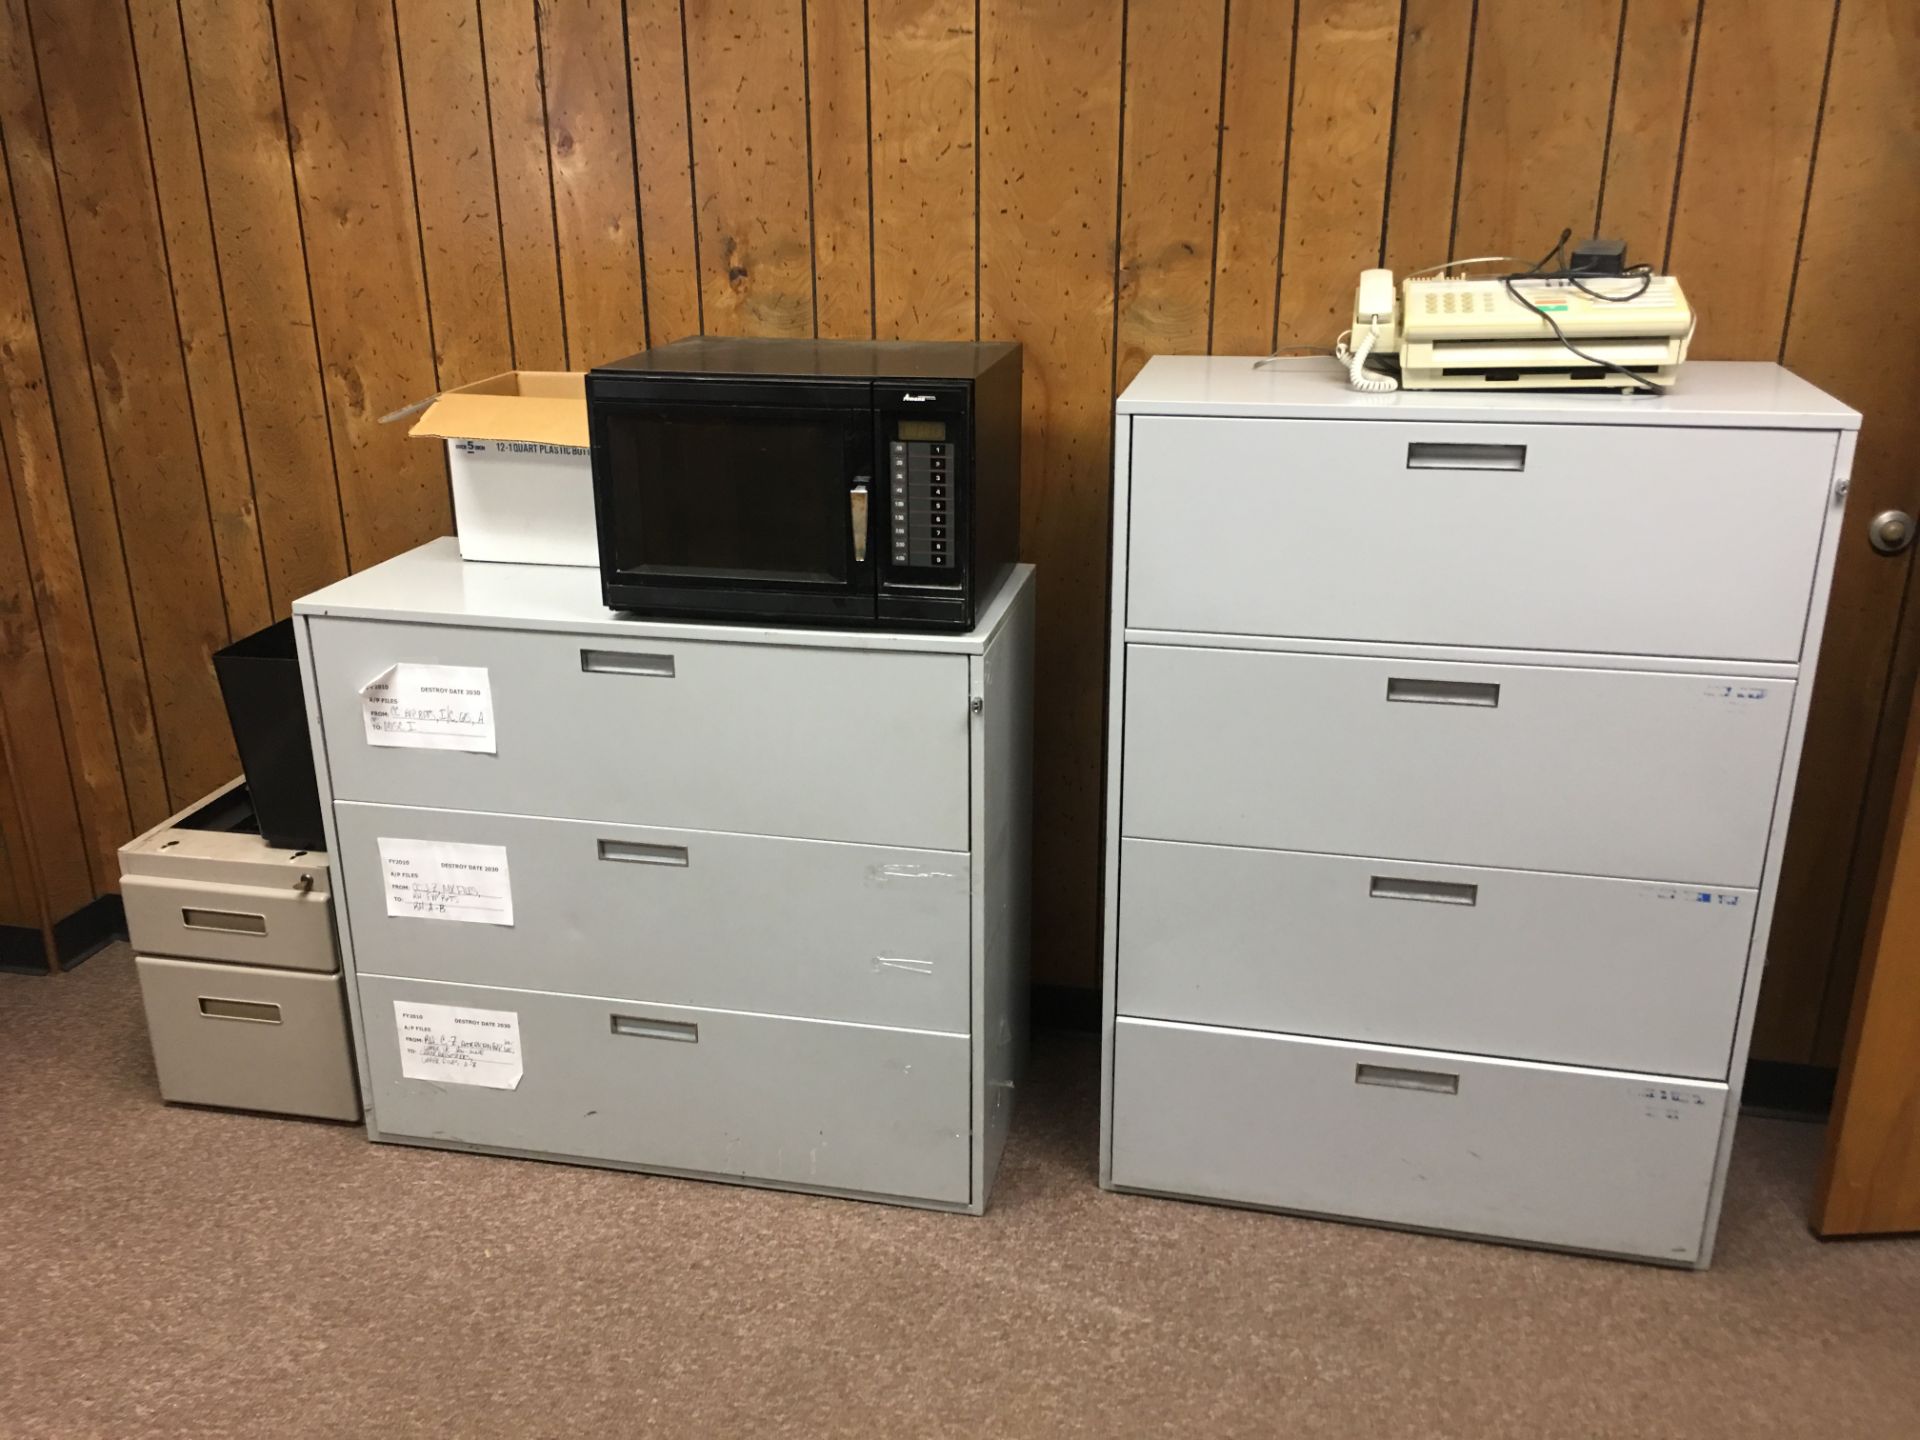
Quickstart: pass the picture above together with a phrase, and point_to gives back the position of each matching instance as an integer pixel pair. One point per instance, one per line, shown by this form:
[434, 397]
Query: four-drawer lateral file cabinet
[1452, 743]
[730, 902]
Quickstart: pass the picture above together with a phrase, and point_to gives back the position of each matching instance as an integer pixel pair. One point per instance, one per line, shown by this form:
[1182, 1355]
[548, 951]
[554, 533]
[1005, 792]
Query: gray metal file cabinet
[768, 889]
[1452, 743]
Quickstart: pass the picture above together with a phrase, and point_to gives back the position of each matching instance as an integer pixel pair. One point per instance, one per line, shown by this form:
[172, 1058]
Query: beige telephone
[1565, 330]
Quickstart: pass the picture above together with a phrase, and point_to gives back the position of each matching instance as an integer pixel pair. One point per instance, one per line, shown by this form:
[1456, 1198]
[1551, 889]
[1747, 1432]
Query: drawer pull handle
[257, 1011]
[624, 662]
[1452, 455]
[1443, 692]
[1434, 1082]
[645, 1029]
[639, 853]
[1436, 892]
[234, 922]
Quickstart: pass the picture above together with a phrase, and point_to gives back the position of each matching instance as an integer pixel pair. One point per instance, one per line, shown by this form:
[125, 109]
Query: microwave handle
[857, 508]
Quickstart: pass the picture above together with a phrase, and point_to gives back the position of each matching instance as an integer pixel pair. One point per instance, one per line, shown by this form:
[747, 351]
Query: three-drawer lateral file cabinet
[730, 902]
[1452, 741]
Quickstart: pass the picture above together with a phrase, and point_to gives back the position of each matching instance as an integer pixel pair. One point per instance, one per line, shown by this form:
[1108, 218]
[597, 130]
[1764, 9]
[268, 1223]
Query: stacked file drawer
[1453, 741]
[233, 941]
[767, 889]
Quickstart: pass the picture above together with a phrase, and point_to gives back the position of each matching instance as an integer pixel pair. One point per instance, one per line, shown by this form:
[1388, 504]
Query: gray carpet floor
[169, 1271]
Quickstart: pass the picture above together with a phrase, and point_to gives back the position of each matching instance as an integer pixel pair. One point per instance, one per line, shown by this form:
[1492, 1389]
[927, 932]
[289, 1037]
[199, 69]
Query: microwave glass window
[736, 494]
[923, 429]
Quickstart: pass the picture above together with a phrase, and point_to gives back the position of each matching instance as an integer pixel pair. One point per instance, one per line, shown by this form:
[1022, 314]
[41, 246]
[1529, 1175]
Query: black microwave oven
[839, 483]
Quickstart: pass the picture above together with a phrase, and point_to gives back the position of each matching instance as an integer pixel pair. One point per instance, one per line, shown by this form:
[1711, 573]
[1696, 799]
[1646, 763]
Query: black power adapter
[1599, 257]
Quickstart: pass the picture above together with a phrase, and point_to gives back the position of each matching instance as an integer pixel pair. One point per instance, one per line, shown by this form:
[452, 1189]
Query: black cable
[1640, 382]
[1553, 254]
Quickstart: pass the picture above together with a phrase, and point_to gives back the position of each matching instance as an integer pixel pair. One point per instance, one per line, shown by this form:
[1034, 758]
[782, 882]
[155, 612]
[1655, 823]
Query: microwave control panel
[922, 497]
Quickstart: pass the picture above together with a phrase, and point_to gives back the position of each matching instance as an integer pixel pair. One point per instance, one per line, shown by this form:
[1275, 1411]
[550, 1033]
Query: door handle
[1452, 455]
[1890, 532]
[1394, 1077]
[857, 506]
[647, 1028]
[639, 852]
[1437, 892]
[1443, 692]
[624, 662]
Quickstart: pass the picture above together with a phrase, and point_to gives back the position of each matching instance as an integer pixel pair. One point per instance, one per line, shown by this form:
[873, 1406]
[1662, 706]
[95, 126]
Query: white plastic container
[522, 472]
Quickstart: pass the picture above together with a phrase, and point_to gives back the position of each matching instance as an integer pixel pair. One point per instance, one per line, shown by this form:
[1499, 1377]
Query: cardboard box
[522, 476]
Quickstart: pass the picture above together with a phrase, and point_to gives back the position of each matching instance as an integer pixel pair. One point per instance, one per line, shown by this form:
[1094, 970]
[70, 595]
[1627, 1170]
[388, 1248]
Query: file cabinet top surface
[432, 585]
[1737, 393]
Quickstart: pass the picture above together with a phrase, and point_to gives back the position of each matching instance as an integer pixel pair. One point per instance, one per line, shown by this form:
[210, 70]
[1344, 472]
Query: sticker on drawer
[458, 1046]
[442, 880]
[430, 707]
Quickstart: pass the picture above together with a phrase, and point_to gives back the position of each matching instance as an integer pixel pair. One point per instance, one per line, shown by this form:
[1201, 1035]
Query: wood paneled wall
[235, 232]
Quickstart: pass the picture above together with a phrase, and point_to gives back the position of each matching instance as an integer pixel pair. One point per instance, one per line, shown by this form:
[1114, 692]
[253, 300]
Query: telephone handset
[1376, 331]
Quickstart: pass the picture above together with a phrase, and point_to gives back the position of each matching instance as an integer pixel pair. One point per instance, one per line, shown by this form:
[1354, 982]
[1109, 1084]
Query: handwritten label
[440, 880]
[458, 1046]
[430, 707]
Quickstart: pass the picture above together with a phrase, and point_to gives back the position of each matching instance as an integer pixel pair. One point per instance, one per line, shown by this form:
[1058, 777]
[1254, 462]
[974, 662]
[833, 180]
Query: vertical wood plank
[925, 110]
[446, 92]
[590, 142]
[43, 785]
[1337, 162]
[1049, 138]
[1649, 109]
[664, 156]
[1743, 178]
[523, 177]
[750, 164]
[244, 148]
[19, 890]
[341, 74]
[1434, 44]
[72, 533]
[1536, 124]
[1255, 102]
[29, 451]
[838, 139]
[126, 305]
[200, 309]
[1169, 147]
[1864, 206]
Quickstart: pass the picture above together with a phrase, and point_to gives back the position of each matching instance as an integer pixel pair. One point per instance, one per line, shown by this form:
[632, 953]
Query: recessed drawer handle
[1437, 892]
[1452, 455]
[1435, 1082]
[625, 662]
[639, 853]
[257, 1011]
[645, 1029]
[234, 922]
[1443, 692]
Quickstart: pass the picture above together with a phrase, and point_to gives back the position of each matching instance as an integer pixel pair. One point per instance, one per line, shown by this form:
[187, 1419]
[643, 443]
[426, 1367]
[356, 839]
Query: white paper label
[439, 880]
[430, 707]
[458, 1046]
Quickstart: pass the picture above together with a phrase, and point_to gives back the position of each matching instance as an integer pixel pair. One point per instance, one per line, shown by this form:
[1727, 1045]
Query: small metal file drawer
[1524, 766]
[758, 739]
[687, 917]
[200, 888]
[1612, 538]
[1591, 1159]
[250, 1038]
[714, 1093]
[1625, 974]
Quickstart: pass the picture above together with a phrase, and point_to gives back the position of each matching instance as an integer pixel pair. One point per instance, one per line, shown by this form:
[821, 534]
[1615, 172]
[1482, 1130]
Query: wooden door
[1870, 1182]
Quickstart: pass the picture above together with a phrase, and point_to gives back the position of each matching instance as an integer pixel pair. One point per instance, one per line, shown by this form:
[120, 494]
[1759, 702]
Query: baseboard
[21, 951]
[85, 932]
[1065, 1007]
[1788, 1090]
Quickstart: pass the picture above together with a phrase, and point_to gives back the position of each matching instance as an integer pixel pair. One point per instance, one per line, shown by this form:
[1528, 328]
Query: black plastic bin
[260, 678]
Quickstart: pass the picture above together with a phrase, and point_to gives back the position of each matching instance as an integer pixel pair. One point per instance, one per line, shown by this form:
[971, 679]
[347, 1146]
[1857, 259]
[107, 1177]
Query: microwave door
[742, 509]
